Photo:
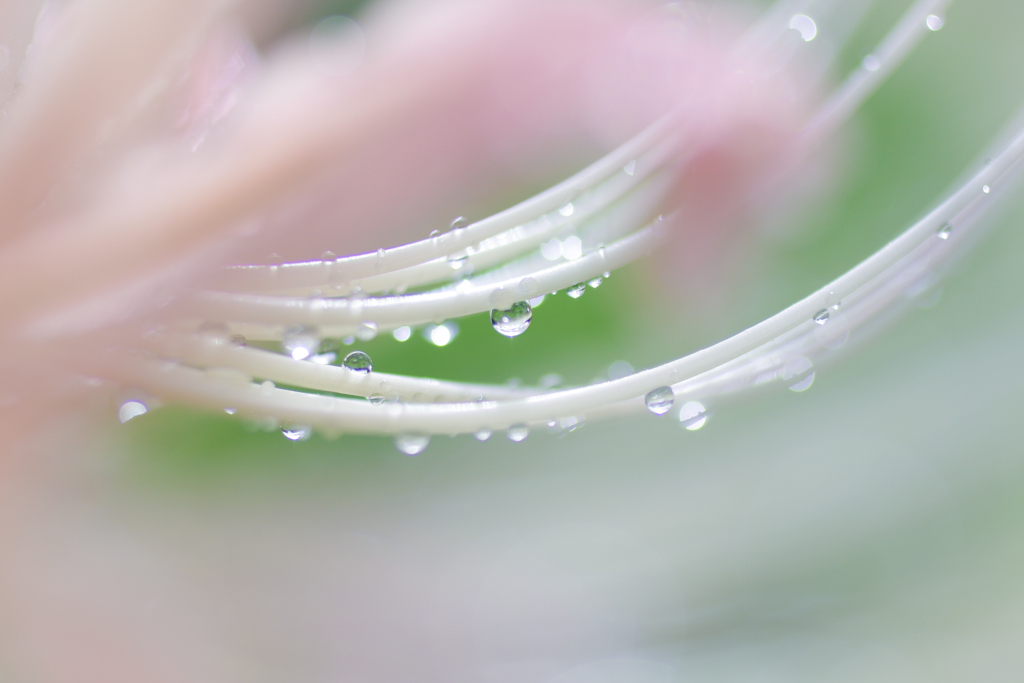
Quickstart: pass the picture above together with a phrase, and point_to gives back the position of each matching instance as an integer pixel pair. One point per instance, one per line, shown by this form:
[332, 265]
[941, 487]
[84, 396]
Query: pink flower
[148, 144]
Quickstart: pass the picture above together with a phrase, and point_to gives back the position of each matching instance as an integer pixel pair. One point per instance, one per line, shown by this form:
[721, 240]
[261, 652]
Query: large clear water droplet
[577, 290]
[821, 317]
[301, 342]
[412, 444]
[944, 231]
[518, 433]
[596, 282]
[482, 434]
[514, 320]
[660, 400]
[801, 370]
[358, 361]
[296, 433]
[692, 415]
[131, 409]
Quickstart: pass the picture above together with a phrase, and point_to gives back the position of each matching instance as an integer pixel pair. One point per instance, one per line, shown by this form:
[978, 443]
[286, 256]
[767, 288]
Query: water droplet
[434, 233]
[328, 257]
[214, 330]
[692, 415]
[566, 210]
[528, 287]
[518, 432]
[301, 342]
[412, 444]
[537, 300]
[572, 248]
[619, 369]
[441, 335]
[577, 290]
[324, 358]
[986, 189]
[402, 333]
[502, 298]
[571, 423]
[358, 361]
[630, 168]
[550, 380]
[458, 222]
[237, 340]
[514, 320]
[131, 409]
[821, 317]
[267, 387]
[552, 249]
[835, 334]
[366, 331]
[375, 399]
[660, 400]
[871, 63]
[381, 253]
[944, 230]
[934, 22]
[805, 26]
[457, 261]
[349, 340]
[296, 433]
[482, 434]
[607, 274]
[800, 369]
[230, 411]
[596, 282]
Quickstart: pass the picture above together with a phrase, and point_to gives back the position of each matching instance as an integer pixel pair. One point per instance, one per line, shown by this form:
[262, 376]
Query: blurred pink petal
[200, 155]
